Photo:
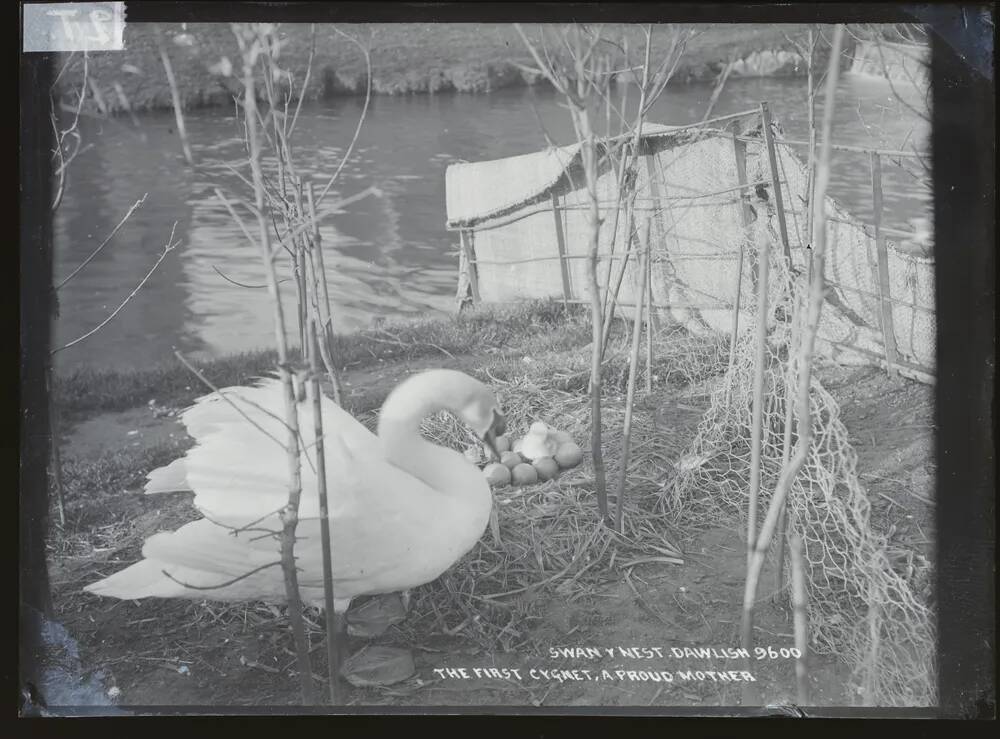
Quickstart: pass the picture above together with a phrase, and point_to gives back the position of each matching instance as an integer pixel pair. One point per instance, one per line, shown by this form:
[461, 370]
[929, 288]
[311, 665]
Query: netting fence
[714, 195]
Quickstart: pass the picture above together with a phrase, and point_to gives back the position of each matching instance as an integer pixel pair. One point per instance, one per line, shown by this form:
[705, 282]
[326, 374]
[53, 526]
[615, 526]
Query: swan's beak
[497, 428]
[490, 439]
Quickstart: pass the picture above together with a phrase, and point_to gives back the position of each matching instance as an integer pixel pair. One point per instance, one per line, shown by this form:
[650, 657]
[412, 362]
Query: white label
[74, 27]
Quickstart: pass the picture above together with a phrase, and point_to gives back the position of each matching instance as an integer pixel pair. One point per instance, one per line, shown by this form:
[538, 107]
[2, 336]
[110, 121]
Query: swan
[401, 509]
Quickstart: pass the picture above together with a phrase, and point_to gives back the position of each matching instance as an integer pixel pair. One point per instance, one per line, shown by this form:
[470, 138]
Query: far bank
[406, 59]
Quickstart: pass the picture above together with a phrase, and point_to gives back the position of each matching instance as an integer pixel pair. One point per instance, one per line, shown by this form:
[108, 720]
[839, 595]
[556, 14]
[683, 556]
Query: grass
[528, 327]
[406, 58]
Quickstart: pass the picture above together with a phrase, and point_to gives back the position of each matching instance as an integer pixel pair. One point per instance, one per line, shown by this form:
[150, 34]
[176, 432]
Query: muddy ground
[198, 653]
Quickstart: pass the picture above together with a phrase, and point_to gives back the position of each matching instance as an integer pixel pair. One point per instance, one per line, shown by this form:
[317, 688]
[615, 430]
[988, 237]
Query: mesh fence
[860, 607]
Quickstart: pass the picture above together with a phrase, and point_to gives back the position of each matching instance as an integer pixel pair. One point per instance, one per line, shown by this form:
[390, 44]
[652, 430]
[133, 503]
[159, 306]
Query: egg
[517, 445]
[562, 437]
[546, 467]
[503, 444]
[497, 474]
[524, 474]
[569, 455]
[511, 459]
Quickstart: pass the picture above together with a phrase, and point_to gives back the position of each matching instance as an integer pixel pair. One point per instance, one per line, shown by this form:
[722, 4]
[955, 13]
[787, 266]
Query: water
[386, 256]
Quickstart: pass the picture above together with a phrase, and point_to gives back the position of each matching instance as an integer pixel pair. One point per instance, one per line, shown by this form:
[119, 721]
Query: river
[387, 256]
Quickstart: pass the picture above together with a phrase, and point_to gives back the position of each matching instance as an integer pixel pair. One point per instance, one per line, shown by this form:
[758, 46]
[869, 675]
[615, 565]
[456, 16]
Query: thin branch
[233, 213]
[225, 584]
[361, 120]
[104, 243]
[241, 284]
[229, 401]
[305, 83]
[166, 250]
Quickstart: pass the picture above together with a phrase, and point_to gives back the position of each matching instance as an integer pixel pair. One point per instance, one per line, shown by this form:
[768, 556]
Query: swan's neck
[399, 426]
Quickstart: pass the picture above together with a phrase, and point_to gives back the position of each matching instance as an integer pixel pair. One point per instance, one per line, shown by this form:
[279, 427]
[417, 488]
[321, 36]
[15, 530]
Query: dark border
[964, 172]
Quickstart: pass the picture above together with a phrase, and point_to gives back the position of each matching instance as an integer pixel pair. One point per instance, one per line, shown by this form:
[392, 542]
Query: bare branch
[305, 83]
[166, 250]
[104, 243]
[225, 584]
[364, 112]
[228, 400]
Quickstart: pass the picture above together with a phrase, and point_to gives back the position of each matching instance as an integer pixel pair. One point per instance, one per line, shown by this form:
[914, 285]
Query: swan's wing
[264, 404]
[240, 474]
[239, 447]
[203, 555]
[169, 479]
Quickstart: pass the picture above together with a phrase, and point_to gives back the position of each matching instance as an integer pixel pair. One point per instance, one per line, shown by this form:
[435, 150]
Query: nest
[549, 537]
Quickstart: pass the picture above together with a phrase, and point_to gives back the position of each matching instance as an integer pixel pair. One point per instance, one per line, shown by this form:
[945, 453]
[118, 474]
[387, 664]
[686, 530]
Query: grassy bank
[521, 329]
[406, 58]
[547, 568]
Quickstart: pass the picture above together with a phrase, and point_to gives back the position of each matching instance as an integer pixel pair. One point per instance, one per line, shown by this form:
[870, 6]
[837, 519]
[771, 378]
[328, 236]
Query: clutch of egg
[537, 457]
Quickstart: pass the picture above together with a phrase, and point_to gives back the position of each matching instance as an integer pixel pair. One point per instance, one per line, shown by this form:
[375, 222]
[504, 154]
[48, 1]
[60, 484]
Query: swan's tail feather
[205, 556]
[169, 479]
[144, 579]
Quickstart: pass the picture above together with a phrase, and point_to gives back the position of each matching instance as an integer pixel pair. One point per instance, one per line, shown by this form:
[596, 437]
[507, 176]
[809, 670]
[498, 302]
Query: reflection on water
[387, 255]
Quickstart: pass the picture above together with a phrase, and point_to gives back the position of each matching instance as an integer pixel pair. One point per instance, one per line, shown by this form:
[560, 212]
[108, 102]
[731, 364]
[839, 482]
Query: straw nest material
[548, 537]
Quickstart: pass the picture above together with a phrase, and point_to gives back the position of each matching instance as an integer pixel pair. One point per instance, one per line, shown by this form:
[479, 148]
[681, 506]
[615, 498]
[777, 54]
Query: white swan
[402, 510]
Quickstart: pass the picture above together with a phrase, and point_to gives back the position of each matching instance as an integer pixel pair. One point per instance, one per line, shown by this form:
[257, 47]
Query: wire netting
[860, 608]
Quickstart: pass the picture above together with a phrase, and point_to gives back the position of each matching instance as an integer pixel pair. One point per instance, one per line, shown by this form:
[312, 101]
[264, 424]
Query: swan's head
[482, 413]
[432, 390]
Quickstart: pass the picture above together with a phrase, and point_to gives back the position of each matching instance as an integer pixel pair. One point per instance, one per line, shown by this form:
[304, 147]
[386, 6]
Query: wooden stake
[772, 157]
[470, 265]
[763, 262]
[888, 334]
[561, 246]
[649, 314]
[740, 153]
[332, 637]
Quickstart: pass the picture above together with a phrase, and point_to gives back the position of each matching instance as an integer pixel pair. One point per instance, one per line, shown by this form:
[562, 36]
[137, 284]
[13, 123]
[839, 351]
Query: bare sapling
[578, 82]
[250, 48]
[651, 86]
[800, 620]
[633, 368]
[806, 347]
[322, 299]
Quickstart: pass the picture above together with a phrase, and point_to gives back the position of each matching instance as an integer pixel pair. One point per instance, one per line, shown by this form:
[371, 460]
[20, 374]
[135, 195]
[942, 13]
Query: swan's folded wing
[194, 561]
[263, 405]
[169, 479]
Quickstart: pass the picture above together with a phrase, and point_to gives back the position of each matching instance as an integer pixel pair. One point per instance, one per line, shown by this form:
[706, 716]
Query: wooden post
[764, 258]
[654, 190]
[332, 646]
[470, 265]
[740, 151]
[561, 246]
[772, 156]
[888, 334]
[649, 313]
